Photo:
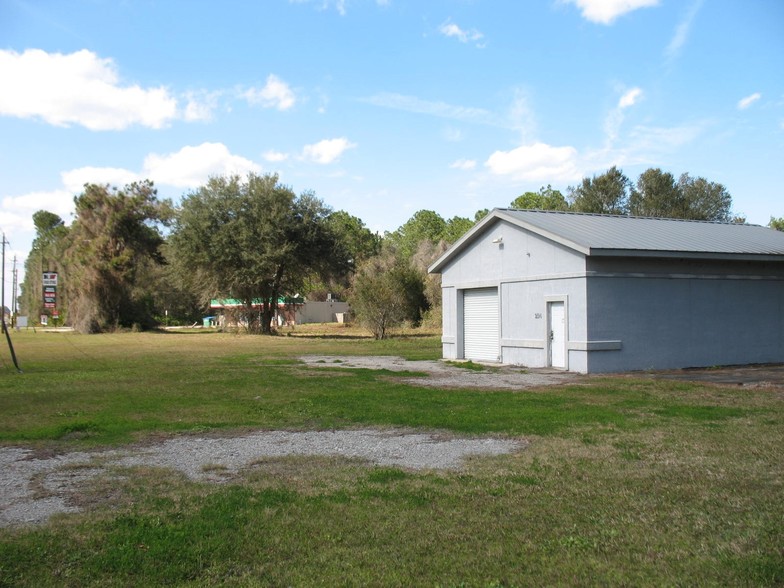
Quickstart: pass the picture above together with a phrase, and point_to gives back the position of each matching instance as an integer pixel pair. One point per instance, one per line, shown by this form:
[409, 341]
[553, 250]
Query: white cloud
[79, 88]
[642, 145]
[191, 166]
[452, 135]
[275, 94]
[275, 156]
[644, 142]
[681, 34]
[75, 179]
[666, 136]
[440, 109]
[327, 151]
[187, 168]
[612, 125]
[606, 11]
[465, 164]
[615, 118]
[522, 117]
[323, 103]
[13, 222]
[630, 98]
[744, 103]
[58, 201]
[450, 29]
[339, 5]
[536, 162]
[200, 106]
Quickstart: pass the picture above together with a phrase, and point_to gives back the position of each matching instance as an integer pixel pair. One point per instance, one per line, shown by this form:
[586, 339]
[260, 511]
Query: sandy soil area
[441, 374]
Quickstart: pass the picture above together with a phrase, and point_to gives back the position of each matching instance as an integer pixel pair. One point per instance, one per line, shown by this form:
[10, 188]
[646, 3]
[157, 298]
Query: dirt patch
[32, 489]
[441, 374]
[747, 376]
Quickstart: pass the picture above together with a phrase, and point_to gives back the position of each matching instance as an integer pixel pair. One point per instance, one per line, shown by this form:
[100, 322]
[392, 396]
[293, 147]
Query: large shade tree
[353, 236]
[704, 200]
[456, 227]
[114, 234]
[163, 294]
[427, 226]
[424, 225]
[415, 245]
[657, 194]
[355, 243]
[607, 193]
[426, 254]
[254, 240]
[545, 199]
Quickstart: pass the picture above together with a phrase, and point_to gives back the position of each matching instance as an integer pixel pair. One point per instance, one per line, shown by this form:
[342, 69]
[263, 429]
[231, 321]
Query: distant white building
[290, 311]
[598, 293]
[329, 311]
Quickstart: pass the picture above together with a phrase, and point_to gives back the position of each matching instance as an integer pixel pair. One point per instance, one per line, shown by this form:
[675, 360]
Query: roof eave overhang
[659, 254]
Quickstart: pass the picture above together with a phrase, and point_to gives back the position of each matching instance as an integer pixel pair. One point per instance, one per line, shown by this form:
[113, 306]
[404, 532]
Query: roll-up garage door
[480, 324]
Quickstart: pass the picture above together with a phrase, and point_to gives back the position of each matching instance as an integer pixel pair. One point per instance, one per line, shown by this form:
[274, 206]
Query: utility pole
[2, 284]
[2, 300]
[13, 290]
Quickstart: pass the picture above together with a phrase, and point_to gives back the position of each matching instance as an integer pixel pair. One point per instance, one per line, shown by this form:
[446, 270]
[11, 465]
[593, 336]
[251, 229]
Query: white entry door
[556, 326]
[480, 324]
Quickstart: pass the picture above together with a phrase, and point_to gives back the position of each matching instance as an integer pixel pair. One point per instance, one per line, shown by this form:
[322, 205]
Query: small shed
[598, 293]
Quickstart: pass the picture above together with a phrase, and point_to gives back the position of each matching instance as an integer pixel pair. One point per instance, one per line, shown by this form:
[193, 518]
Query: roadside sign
[50, 290]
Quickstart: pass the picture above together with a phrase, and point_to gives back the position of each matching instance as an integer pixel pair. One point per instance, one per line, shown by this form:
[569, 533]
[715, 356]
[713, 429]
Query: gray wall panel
[685, 322]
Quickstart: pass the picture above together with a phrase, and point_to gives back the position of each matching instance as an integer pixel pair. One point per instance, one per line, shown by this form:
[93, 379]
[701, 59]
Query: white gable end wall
[528, 271]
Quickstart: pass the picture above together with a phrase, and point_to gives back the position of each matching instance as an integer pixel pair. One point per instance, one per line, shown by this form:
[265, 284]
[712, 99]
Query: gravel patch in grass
[32, 489]
[442, 374]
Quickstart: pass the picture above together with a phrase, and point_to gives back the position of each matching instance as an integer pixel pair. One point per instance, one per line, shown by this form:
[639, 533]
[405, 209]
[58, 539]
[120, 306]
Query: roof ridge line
[628, 216]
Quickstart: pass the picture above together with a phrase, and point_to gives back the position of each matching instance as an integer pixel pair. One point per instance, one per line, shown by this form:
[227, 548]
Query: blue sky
[386, 107]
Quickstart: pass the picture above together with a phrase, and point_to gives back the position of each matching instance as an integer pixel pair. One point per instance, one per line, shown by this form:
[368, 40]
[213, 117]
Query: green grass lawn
[626, 481]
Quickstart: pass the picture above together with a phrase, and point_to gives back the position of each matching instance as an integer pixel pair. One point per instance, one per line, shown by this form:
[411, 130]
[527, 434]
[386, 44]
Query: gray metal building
[596, 293]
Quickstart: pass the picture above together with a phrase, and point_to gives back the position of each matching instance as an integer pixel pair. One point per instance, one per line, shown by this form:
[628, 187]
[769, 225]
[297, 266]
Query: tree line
[131, 260]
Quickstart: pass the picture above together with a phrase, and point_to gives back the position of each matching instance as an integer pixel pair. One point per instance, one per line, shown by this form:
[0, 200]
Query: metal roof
[599, 234]
[599, 231]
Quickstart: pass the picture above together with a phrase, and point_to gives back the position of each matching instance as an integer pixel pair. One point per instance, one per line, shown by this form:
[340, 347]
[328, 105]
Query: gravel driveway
[33, 488]
[441, 374]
